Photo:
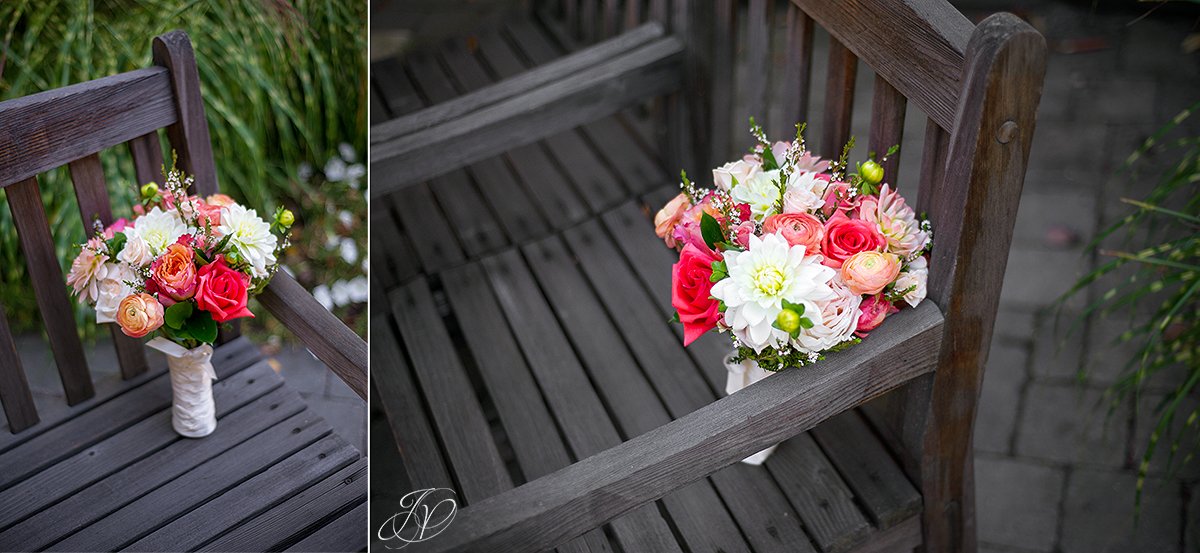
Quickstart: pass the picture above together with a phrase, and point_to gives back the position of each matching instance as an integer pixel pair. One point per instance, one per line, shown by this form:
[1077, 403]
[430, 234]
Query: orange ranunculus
[139, 315]
[175, 272]
[869, 272]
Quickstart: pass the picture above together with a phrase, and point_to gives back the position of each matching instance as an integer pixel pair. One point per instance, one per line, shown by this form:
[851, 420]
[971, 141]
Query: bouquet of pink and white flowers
[792, 255]
[182, 266]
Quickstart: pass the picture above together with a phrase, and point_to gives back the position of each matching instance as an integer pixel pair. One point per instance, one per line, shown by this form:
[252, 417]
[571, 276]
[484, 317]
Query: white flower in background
[321, 294]
[345, 218]
[805, 193]
[335, 170]
[760, 278]
[159, 229]
[136, 251]
[250, 236]
[348, 250]
[915, 276]
[347, 152]
[761, 192]
[834, 321]
[304, 171]
[741, 170]
[111, 290]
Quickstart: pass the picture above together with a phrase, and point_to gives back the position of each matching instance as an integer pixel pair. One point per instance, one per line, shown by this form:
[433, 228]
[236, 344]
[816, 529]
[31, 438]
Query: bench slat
[105, 496]
[343, 534]
[189, 132]
[33, 230]
[147, 154]
[455, 408]
[757, 41]
[839, 99]
[797, 70]
[49, 129]
[887, 126]
[91, 191]
[19, 408]
[822, 498]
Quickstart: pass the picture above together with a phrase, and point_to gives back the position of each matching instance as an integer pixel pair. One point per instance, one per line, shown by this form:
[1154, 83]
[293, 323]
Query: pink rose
[799, 229]
[669, 217]
[874, 310]
[117, 226]
[868, 273]
[222, 291]
[743, 233]
[139, 315]
[839, 200]
[691, 291]
[845, 237]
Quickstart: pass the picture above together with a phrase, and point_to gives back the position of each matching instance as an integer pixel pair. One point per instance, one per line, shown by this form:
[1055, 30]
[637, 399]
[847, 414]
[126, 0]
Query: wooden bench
[538, 376]
[106, 471]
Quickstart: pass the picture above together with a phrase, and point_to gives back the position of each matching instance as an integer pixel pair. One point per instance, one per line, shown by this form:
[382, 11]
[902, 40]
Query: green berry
[788, 321]
[871, 172]
[149, 190]
[287, 218]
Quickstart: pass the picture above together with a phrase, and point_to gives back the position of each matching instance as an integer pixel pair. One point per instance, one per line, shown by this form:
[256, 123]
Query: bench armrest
[343, 351]
[557, 507]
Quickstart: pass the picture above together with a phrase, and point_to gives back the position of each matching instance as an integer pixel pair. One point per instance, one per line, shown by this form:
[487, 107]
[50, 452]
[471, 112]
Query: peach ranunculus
[139, 315]
[874, 310]
[207, 212]
[845, 237]
[222, 291]
[175, 272]
[669, 216]
[219, 200]
[868, 273]
[799, 229]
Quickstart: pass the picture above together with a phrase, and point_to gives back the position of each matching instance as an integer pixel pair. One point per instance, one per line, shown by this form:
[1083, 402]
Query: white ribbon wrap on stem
[193, 413]
[741, 375]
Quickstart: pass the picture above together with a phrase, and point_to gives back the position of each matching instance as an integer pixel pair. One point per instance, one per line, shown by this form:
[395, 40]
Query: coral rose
[669, 217]
[868, 273]
[691, 291]
[139, 315]
[845, 237]
[174, 272]
[222, 291]
[874, 310]
[799, 229]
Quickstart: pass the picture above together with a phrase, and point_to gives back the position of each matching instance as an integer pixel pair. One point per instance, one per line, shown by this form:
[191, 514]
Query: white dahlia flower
[250, 236]
[158, 229]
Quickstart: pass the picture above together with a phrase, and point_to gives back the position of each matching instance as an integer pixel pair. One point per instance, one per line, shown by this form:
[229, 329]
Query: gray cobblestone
[1099, 514]
[1017, 502]
[1066, 424]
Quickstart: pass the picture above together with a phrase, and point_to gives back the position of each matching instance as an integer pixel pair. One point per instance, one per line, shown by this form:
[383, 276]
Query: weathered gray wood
[887, 127]
[76, 472]
[252, 497]
[103, 497]
[605, 485]
[147, 154]
[588, 21]
[905, 536]
[633, 14]
[401, 403]
[797, 71]
[286, 521]
[343, 534]
[343, 351]
[185, 492]
[839, 99]
[933, 163]
[724, 56]
[396, 88]
[49, 129]
[544, 75]
[647, 71]
[33, 230]
[989, 147]
[189, 133]
[452, 401]
[918, 46]
[758, 56]
[608, 26]
[19, 408]
[91, 192]
[867, 467]
[422, 219]
[821, 497]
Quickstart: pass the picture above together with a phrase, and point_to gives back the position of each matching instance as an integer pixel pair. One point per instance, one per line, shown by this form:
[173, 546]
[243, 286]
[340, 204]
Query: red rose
[874, 310]
[845, 237]
[222, 291]
[691, 291]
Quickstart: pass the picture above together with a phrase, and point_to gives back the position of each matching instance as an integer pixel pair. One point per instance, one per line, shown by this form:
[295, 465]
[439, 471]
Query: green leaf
[116, 244]
[202, 327]
[178, 314]
[769, 162]
[674, 318]
[806, 323]
[710, 229]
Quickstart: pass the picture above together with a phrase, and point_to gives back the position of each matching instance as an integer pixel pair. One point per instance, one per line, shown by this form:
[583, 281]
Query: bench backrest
[68, 127]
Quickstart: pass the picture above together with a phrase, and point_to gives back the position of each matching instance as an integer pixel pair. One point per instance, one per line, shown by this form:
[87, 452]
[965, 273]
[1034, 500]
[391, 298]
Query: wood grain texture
[917, 45]
[342, 534]
[867, 467]
[19, 408]
[91, 191]
[647, 71]
[989, 148]
[887, 127]
[45, 274]
[821, 496]
[147, 154]
[444, 111]
[49, 129]
[757, 42]
[452, 401]
[797, 70]
[839, 99]
[905, 536]
[326, 336]
[189, 133]
[633, 14]
[579, 497]
[723, 59]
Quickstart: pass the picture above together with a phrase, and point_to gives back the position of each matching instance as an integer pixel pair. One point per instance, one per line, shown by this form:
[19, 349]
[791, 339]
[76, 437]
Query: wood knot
[1007, 132]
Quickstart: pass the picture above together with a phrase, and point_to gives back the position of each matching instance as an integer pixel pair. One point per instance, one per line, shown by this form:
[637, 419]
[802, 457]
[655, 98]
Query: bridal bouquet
[181, 267]
[792, 255]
